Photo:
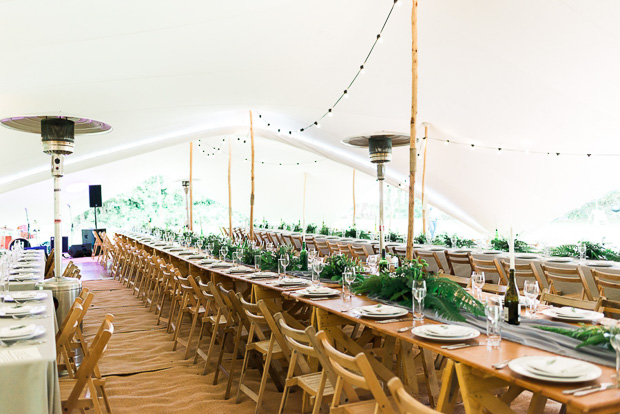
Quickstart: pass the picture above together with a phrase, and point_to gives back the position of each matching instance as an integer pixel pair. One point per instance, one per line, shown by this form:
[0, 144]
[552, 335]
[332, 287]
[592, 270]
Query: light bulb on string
[362, 69]
[330, 113]
[447, 142]
[317, 125]
[346, 93]
[379, 38]
[473, 147]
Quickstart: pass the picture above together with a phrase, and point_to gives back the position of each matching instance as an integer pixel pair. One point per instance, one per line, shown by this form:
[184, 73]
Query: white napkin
[268, 274]
[446, 331]
[209, 261]
[221, 264]
[557, 366]
[380, 309]
[313, 290]
[292, 281]
[17, 331]
[15, 310]
[571, 312]
[239, 269]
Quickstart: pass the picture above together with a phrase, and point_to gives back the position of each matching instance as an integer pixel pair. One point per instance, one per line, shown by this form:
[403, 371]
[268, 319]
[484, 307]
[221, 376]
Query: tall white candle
[511, 245]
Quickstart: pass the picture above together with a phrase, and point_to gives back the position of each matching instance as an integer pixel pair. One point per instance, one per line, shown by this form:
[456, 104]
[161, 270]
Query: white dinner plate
[381, 311]
[534, 367]
[263, 275]
[196, 257]
[21, 310]
[599, 263]
[23, 277]
[209, 261]
[526, 256]
[437, 249]
[222, 265]
[18, 332]
[239, 270]
[292, 281]
[464, 333]
[24, 295]
[461, 250]
[492, 252]
[317, 292]
[560, 259]
[566, 314]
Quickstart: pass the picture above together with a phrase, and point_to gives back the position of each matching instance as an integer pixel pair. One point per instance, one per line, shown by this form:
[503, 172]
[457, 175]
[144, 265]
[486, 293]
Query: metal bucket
[64, 291]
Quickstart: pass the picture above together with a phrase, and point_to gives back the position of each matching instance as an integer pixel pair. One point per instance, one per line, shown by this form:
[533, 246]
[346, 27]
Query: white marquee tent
[532, 78]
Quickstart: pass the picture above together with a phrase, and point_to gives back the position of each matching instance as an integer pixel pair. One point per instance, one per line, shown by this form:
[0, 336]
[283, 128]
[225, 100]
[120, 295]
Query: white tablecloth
[31, 385]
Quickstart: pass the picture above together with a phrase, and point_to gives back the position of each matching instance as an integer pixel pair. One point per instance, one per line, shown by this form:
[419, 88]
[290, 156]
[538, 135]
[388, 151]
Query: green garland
[335, 265]
[446, 297]
[588, 335]
[500, 243]
[594, 251]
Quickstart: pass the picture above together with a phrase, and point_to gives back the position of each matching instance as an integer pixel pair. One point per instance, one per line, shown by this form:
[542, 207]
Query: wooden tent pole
[424, 210]
[252, 179]
[354, 197]
[191, 186]
[230, 234]
[414, 112]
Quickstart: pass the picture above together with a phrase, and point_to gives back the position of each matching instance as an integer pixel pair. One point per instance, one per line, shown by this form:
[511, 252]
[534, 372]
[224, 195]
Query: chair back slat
[461, 259]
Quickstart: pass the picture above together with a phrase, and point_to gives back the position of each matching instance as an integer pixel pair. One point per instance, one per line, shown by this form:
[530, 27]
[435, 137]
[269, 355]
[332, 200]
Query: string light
[361, 70]
[245, 159]
[500, 150]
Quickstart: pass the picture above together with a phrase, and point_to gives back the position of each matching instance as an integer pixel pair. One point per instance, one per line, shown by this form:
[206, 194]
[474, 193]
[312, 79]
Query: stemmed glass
[371, 261]
[284, 261]
[257, 262]
[211, 248]
[494, 312]
[453, 242]
[348, 277]
[418, 291]
[581, 248]
[223, 252]
[477, 282]
[239, 254]
[531, 290]
[318, 265]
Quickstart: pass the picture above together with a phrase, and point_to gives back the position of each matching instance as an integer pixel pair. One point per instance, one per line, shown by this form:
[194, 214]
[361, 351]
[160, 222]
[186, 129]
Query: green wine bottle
[384, 265]
[303, 256]
[512, 308]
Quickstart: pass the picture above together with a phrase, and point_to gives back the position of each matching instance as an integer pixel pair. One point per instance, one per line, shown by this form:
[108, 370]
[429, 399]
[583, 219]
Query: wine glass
[349, 277]
[418, 291]
[239, 254]
[477, 282]
[211, 247]
[257, 262]
[318, 265]
[371, 262]
[284, 261]
[223, 252]
[494, 312]
[453, 241]
[581, 248]
[531, 290]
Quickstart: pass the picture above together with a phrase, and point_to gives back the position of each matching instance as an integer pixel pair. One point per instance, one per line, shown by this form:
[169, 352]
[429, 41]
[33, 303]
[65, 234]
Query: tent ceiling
[512, 74]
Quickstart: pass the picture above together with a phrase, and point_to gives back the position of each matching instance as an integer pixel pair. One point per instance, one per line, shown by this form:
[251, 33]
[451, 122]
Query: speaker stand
[96, 217]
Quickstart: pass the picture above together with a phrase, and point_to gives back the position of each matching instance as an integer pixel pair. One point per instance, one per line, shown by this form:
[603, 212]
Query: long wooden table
[468, 370]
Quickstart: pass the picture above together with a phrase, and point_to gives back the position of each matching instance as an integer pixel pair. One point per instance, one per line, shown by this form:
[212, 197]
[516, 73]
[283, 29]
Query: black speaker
[80, 250]
[65, 243]
[94, 193]
[87, 236]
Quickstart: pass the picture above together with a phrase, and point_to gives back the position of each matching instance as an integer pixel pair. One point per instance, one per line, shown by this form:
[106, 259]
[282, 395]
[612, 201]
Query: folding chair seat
[557, 276]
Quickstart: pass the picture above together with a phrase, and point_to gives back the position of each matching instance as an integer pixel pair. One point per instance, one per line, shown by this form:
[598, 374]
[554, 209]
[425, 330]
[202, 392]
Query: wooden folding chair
[268, 349]
[572, 276]
[211, 321]
[488, 267]
[611, 308]
[548, 298]
[322, 247]
[97, 246]
[604, 280]
[297, 241]
[333, 247]
[314, 383]
[430, 257]
[64, 338]
[357, 372]
[405, 402]
[459, 259]
[191, 306]
[359, 253]
[81, 392]
[288, 241]
[523, 272]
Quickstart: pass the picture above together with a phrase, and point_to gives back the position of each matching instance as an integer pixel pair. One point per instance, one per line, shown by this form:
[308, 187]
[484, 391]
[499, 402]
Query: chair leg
[191, 333]
[220, 357]
[263, 381]
[210, 351]
[177, 328]
[200, 335]
[244, 368]
[232, 363]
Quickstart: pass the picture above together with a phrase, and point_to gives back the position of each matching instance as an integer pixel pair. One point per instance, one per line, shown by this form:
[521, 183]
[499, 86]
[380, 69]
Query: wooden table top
[478, 357]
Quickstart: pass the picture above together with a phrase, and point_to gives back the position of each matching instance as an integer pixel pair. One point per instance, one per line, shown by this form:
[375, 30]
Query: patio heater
[185, 185]
[57, 138]
[380, 148]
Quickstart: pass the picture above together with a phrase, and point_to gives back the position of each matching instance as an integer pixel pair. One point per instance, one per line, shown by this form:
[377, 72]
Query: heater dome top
[362, 141]
[32, 124]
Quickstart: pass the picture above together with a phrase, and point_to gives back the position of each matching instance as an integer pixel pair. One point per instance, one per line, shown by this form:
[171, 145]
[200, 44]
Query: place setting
[21, 311]
[23, 296]
[570, 314]
[238, 270]
[221, 265]
[263, 275]
[23, 277]
[318, 292]
[555, 369]
[384, 313]
[24, 334]
[445, 332]
[291, 282]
